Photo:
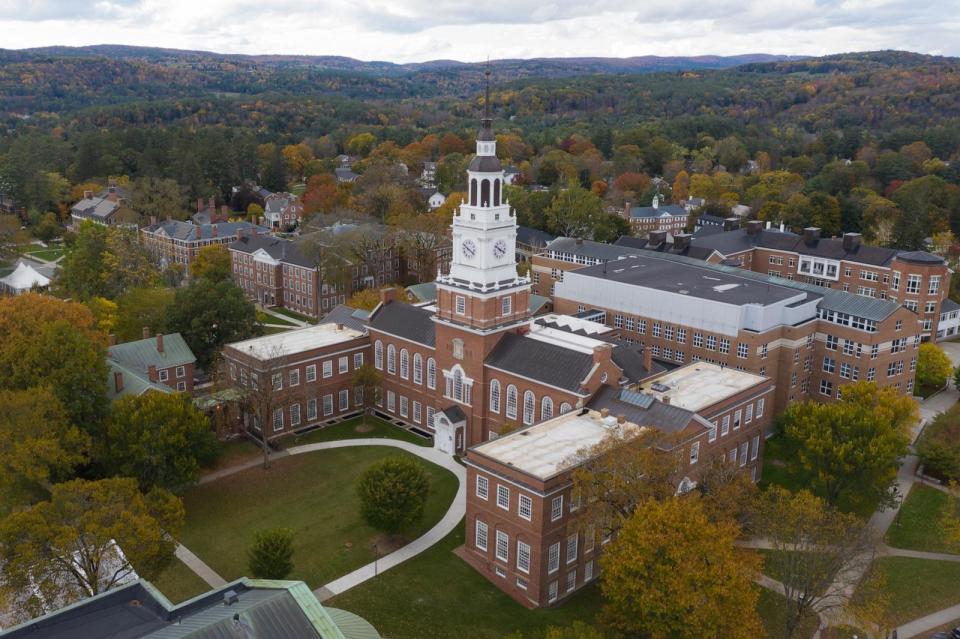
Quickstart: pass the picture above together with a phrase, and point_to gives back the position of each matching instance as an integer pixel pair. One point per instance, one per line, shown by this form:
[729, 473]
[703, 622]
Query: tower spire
[486, 100]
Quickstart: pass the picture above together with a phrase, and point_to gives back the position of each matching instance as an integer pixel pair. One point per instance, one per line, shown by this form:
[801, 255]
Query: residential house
[436, 200]
[109, 207]
[282, 210]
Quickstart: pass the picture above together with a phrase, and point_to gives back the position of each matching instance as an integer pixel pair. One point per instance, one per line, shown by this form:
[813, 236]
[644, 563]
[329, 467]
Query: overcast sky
[417, 30]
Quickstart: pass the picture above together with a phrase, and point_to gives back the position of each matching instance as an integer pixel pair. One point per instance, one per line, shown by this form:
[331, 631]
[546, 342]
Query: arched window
[496, 192]
[404, 363]
[511, 402]
[485, 193]
[391, 359]
[458, 385]
[378, 355]
[565, 408]
[473, 192]
[431, 373]
[529, 407]
[495, 396]
[417, 368]
[546, 408]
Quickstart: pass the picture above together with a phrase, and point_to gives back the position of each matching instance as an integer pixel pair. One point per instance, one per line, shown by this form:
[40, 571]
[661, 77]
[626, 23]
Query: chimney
[112, 339]
[146, 332]
[656, 238]
[579, 241]
[626, 210]
[602, 353]
[152, 373]
[224, 212]
[153, 220]
[621, 419]
[339, 327]
[199, 204]
[159, 342]
[647, 354]
[88, 195]
[731, 223]
[213, 230]
[754, 227]
[117, 381]
[810, 235]
[388, 295]
[604, 413]
[681, 241]
[851, 242]
[665, 399]
[240, 232]
[212, 206]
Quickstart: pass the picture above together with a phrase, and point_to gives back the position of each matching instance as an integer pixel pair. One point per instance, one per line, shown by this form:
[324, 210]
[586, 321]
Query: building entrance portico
[450, 426]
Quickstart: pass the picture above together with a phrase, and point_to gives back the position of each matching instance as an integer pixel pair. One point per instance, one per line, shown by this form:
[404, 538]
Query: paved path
[285, 318]
[445, 526]
[887, 551]
[925, 624]
[201, 569]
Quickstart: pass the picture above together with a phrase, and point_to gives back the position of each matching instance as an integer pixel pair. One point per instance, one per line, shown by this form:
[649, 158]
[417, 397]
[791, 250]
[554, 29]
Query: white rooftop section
[699, 384]
[296, 341]
[558, 337]
[575, 323]
[551, 447]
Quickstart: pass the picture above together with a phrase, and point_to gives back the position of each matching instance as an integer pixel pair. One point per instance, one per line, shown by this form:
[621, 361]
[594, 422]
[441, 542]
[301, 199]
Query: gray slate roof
[948, 306]
[188, 231]
[533, 237]
[659, 211]
[691, 250]
[406, 321]
[547, 363]
[590, 249]
[99, 206]
[348, 316]
[920, 257]
[279, 249]
[663, 417]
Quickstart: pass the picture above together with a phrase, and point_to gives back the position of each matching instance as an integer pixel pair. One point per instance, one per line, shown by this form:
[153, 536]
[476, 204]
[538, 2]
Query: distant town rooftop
[550, 447]
[699, 385]
[296, 341]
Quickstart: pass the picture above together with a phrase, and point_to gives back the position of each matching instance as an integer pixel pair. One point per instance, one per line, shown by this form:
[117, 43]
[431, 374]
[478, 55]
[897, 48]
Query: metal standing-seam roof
[642, 410]
[143, 353]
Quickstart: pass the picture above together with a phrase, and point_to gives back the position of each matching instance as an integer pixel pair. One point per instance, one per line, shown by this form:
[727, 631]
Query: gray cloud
[60, 9]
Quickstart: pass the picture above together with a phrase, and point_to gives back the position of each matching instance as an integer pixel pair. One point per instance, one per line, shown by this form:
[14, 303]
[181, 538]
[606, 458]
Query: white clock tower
[484, 232]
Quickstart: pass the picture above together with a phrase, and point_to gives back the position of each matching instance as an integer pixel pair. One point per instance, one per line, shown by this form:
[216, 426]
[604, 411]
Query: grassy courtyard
[918, 524]
[353, 429]
[179, 583]
[48, 255]
[312, 494]
[774, 468]
[293, 314]
[918, 587]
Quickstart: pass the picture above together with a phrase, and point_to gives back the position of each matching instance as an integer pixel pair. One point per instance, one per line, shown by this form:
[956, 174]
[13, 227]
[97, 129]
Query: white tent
[24, 278]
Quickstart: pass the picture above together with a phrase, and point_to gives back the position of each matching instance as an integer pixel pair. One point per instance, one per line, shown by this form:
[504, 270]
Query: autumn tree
[321, 195]
[577, 212]
[393, 493]
[616, 475]
[104, 262]
[38, 446]
[933, 366]
[368, 382]
[54, 344]
[673, 573]
[847, 452]
[68, 548]
[213, 263]
[271, 554]
[210, 314]
[158, 198]
[421, 238]
[818, 553]
[158, 438]
[681, 187]
[142, 307]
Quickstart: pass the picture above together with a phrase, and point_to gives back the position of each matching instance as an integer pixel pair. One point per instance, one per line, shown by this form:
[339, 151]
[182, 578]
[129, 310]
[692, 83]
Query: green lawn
[772, 613]
[179, 583]
[919, 587]
[770, 569]
[917, 526]
[314, 495]
[273, 330]
[348, 430]
[437, 595]
[235, 451]
[46, 254]
[293, 314]
[266, 318]
[774, 472]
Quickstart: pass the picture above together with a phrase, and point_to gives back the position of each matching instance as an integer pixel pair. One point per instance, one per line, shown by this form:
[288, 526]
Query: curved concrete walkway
[444, 527]
[451, 519]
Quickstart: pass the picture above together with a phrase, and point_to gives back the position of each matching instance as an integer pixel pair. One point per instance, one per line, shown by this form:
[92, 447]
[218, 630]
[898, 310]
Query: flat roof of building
[550, 447]
[698, 385]
[296, 341]
[695, 280]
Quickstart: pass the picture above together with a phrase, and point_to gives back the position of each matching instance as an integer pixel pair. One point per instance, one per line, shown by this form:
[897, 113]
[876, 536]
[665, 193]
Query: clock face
[499, 249]
[469, 249]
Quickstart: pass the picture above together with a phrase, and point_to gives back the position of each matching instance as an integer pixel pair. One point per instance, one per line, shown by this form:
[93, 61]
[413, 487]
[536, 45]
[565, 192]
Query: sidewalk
[285, 318]
[201, 569]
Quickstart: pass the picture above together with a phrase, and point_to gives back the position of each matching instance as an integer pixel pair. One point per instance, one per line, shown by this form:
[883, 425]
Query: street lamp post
[376, 556]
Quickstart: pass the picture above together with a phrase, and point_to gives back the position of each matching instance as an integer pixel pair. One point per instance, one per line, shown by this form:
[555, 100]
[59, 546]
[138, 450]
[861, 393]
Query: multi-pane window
[571, 580]
[934, 284]
[656, 329]
[511, 402]
[503, 497]
[461, 305]
[829, 365]
[760, 403]
[552, 591]
[642, 326]
[588, 571]
[277, 379]
[328, 366]
[755, 447]
[826, 387]
[525, 506]
[668, 332]
[546, 408]
[556, 508]
[572, 541]
[737, 415]
[711, 342]
[831, 342]
[529, 406]
[481, 536]
[328, 405]
[357, 360]
[483, 487]
[742, 350]
[431, 373]
[724, 345]
[725, 425]
[311, 409]
[495, 396]
[378, 355]
[311, 373]
[503, 546]
[913, 283]
[682, 335]
[343, 364]
[294, 414]
[391, 361]
[404, 363]
[743, 453]
[712, 436]
[698, 339]
[845, 370]
[278, 419]
[506, 305]
[618, 321]
[523, 556]
[417, 368]
[694, 453]
[391, 401]
[295, 377]
[748, 416]
[553, 558]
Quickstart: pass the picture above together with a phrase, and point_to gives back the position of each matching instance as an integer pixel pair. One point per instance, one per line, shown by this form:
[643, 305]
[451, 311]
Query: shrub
[270, 556]
[393, 493]
[939, 446]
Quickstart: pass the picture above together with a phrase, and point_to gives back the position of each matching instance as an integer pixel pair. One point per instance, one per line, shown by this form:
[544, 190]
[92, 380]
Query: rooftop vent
[230, 597]
[660, 388]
